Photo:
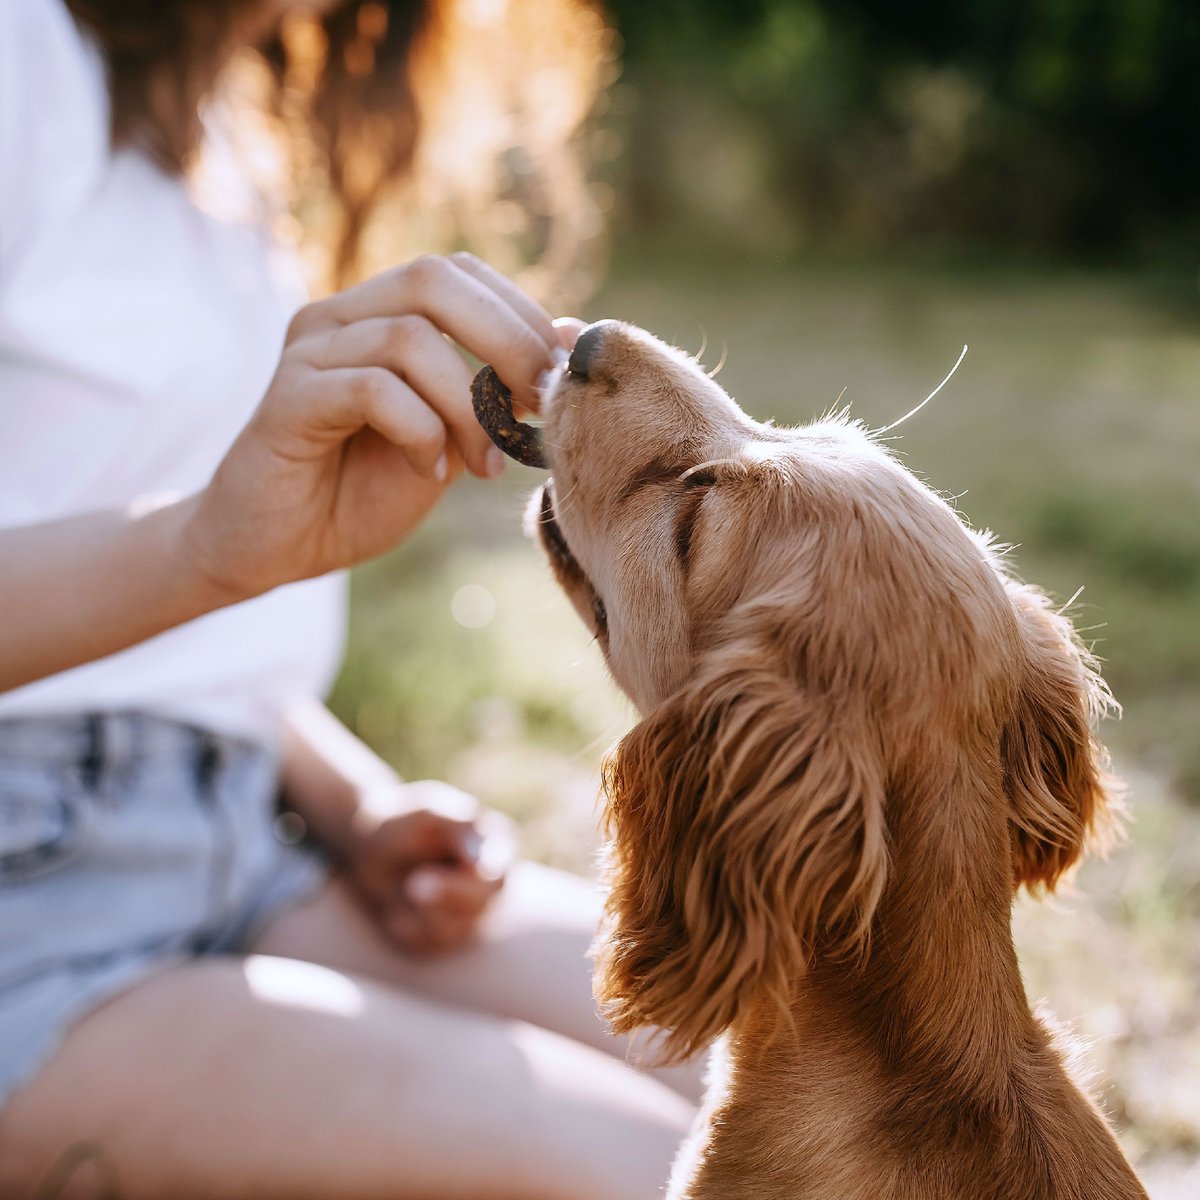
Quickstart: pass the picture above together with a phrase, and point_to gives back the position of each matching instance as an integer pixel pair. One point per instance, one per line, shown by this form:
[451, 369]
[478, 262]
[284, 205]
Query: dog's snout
[587, 346]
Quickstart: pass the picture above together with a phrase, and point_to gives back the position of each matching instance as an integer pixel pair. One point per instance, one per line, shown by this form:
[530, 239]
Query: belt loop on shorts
[91, 762]
[208, 762]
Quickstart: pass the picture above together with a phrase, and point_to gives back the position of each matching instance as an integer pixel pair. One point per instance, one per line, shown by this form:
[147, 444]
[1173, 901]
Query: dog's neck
[922, 1063]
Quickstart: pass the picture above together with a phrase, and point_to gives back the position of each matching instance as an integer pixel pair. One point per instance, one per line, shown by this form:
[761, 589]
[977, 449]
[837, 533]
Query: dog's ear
[747, 835]
[1054, 767]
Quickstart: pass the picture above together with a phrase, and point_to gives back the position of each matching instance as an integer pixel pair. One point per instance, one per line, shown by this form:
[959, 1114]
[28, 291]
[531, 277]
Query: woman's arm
[335, 781]
[367, 421]
[424, 856]
[80, 588]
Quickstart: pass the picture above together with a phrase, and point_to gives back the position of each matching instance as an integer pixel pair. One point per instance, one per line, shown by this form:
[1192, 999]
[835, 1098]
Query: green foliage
[1157, 551]
[1035, 124]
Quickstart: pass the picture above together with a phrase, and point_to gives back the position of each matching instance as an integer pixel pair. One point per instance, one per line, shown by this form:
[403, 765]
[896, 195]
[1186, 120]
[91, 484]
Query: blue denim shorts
[128, 843]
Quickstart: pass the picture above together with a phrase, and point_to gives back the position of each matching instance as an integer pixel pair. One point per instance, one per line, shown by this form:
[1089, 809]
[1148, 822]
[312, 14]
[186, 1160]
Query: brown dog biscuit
[492, 402]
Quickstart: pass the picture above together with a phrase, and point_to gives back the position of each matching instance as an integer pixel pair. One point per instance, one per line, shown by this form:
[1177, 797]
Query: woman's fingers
[520, 302]
[567, 331]
[437, 907]
[339, 402]
[299, 493]
[482, 320]
[455, 891]
[413, 349]
[441, 907]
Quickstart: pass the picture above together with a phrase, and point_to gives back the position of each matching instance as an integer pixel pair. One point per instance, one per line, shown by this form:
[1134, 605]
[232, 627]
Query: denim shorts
[128, 843]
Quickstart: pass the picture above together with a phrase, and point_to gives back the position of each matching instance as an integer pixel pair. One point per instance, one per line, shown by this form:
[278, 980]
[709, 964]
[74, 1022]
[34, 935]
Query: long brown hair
[364, 97]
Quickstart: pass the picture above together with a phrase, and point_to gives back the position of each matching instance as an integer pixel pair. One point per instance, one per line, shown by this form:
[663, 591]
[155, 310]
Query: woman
[189, 1006]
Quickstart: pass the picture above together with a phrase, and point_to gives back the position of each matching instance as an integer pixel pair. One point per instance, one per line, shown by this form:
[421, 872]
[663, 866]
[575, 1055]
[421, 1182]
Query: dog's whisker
[712, 462]
[913, 412]
[703, 344]
[720, 362]
[1078, 593]
[561, 506]
[560, 502]
[605, 738]
[837, 412]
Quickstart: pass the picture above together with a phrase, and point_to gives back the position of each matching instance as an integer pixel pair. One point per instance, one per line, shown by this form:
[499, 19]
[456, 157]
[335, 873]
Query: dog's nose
[586, 346]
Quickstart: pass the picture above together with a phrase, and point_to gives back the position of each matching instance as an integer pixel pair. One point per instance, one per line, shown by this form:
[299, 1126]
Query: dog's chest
[775, 1128]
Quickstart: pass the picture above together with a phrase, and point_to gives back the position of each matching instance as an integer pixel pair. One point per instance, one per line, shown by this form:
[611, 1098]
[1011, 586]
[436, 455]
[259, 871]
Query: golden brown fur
[860, 736]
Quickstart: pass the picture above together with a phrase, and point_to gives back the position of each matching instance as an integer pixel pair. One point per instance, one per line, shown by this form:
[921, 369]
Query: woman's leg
[529, 963]
[275, 1079]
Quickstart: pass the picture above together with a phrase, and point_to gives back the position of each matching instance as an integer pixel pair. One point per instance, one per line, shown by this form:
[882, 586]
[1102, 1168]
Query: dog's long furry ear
[747, 835]
[1054, 767]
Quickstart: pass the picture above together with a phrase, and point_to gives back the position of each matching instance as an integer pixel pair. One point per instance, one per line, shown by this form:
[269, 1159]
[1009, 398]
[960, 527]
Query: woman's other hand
[367, 420]
[428, 861]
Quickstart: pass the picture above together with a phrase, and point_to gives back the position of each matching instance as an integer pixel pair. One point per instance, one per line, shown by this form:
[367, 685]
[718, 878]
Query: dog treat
[492, 402]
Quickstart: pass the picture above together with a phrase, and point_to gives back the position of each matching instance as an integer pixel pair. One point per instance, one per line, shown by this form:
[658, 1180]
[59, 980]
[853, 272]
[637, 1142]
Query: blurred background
[829, 199]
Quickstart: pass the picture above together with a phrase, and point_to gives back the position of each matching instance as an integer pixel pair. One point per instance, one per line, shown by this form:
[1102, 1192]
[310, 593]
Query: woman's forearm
[366, 422]
[80, 588]
[330, 777]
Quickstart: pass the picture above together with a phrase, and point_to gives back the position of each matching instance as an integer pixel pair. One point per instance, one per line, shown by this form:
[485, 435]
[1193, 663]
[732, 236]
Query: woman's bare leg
[273, 1079]
[529, 963]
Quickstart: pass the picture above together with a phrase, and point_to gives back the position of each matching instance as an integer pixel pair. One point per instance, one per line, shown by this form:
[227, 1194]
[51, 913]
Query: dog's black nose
[586, 346]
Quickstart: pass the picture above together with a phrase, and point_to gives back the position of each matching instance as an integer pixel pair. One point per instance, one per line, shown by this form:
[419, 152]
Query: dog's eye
[696, 485]
[600, 613]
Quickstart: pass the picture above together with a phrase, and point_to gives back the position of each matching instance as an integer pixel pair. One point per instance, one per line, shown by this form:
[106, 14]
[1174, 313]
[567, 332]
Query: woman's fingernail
[424, 887]
[441, 468]
[493, 463]
[560, 356]
[472, 845]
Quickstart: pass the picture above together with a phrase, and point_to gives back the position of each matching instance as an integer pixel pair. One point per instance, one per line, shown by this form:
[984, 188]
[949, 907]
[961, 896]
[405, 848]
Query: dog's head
[820, 648]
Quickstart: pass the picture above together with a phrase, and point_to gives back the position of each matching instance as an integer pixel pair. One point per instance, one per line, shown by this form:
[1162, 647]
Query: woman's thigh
[530, 961]
[272, 1078]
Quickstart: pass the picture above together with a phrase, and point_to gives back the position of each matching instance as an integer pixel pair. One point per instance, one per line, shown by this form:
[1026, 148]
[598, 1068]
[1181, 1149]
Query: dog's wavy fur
[861, 736]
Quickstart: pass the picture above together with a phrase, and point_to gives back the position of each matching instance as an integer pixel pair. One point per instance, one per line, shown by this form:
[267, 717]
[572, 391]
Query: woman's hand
[425, 857]
[367, 420]
[428, 861]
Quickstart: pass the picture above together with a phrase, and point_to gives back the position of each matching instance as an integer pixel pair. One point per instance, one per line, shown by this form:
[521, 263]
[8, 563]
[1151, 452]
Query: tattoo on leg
[84, 1161]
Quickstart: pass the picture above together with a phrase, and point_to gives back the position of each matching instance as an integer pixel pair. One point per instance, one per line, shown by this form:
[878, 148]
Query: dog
[860, 736]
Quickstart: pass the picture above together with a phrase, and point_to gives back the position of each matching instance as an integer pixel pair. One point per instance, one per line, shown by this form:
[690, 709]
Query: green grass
[1072, 429]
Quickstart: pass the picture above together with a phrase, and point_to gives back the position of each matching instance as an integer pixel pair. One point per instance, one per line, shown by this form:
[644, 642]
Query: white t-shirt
[137, 333]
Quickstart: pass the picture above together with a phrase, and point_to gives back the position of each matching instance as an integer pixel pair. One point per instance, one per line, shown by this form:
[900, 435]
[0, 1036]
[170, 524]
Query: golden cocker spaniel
[860, 736]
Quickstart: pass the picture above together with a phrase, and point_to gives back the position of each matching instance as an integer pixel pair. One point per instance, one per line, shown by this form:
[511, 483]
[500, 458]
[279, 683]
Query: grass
[1072, 429]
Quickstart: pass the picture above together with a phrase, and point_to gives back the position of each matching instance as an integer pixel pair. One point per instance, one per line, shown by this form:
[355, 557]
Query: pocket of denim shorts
[41, 821]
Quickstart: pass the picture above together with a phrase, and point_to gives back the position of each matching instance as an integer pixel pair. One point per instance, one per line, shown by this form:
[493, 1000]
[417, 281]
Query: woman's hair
[469, 110]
